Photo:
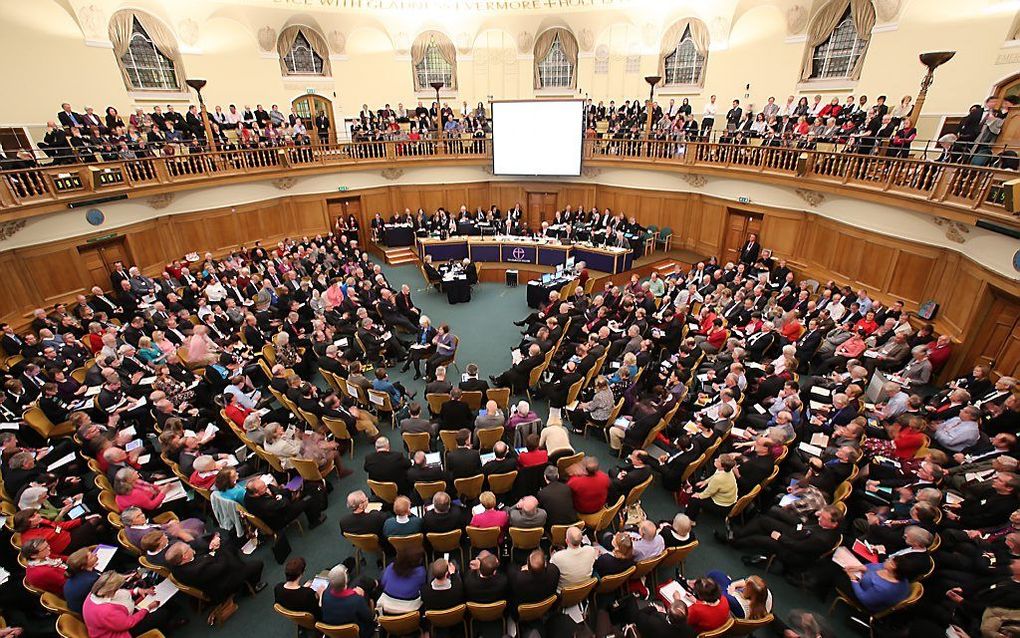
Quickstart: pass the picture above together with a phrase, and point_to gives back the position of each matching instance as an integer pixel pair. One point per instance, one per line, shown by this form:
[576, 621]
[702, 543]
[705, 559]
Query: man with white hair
[361, 521]
[387, 466]
[760, 344]
[344, 605]
[918, 370]
[492, 417]
[647, 541]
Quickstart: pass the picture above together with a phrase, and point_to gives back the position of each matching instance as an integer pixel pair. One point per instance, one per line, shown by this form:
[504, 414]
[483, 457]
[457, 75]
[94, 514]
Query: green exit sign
[744, 200]
[343, 189]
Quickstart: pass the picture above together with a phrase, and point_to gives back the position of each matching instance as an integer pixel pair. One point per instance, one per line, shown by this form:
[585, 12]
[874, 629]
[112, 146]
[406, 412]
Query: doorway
[337, 208]
[99, 258]
[997, 342]
[541, 207]
[310, 105]
[739, 224]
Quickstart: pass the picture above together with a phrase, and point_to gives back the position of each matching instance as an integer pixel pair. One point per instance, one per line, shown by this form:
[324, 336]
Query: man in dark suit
[387, 466]
[455, 414]
[360, 521]
[484, 582]
[278, 506]
[444, 515]
[750, 251]
[472, 382]
[503, 462]
[422, 472]
[69, 118]
[797, 546]
[220, 573]
[760, 344]
[652, 622]
[828, 475]
[808, 343]
[626, 479]
[463, 461]
[556, 499]
[756, 467]
[517, 376]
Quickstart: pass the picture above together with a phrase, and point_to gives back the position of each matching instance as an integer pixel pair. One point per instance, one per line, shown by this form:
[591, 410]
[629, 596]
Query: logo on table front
[517, 254]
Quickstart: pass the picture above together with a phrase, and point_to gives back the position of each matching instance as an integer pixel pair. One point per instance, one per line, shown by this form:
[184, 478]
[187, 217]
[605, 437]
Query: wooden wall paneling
[781, 232]
[650, 209]
[910, 276]
[680, 218]
[434, 199]
[16, 296]
[875, 266]
[150, 245]
[962, 296]
[271, 223]
[847, 258]
[478, 195]
[54, 272]
[310, 215]
[506, 195]
[406, 197]
[711, 223]
[222, 230]
[192, 231]
[376, 201]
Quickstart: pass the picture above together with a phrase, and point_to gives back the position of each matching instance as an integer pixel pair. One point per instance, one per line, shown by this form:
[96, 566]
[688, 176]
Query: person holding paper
[876, 586]
[278, 506]
[422, 347]
[62, 538]
[81, 576]
[131, 490]
[221, 572]
[43, 569]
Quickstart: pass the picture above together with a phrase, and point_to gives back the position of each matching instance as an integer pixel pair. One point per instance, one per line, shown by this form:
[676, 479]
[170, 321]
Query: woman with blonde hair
[749, 598]
[110, 611]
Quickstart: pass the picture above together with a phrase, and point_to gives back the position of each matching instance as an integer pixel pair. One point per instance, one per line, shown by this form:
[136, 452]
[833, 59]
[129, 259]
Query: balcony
[958, 191]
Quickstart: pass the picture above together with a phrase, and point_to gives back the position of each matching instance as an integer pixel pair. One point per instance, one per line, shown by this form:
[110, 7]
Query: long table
[509, 251]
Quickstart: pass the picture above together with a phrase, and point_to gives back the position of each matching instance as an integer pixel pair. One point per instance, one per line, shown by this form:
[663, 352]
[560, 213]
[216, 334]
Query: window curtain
[315, 39]
[699, 36]
[544, 44]
[121, 28]
[446, 49]
[821, 27]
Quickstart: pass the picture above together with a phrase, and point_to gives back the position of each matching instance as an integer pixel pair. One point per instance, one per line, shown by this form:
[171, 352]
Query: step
[397, 256]
[666, 268]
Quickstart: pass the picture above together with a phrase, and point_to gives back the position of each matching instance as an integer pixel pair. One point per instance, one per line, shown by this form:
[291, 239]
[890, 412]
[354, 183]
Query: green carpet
[486, 335]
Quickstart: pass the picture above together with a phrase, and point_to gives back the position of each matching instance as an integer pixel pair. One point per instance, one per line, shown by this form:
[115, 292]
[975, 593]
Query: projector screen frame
[580, 123]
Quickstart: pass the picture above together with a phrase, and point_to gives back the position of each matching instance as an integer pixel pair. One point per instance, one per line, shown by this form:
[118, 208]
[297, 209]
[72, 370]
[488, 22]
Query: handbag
[684, 494]
[281, 548]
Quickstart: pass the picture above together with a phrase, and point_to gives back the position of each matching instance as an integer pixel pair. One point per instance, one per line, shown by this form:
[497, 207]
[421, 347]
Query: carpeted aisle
[486, 335]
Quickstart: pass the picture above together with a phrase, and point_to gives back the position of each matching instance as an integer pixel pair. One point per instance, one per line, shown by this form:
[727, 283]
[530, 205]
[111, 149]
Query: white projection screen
[537, 137]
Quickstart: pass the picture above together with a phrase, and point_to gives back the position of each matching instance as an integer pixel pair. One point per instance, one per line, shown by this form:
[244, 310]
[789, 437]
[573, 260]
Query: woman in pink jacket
[131, 490]
[109, 610]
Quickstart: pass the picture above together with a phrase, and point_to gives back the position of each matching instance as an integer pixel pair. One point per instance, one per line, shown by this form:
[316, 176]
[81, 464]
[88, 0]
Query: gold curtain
[446, 49]
[543, 44]
[819, 31]
[121, 27]
[699, 36]
[318, 43]
[863, 13]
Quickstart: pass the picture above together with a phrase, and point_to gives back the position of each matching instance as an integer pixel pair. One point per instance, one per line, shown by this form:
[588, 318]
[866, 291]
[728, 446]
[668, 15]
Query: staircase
[399, 256]
[667, 267]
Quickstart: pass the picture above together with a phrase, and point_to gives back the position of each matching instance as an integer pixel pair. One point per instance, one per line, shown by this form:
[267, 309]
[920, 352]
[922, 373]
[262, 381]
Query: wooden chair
[564, 462]
[613, 415]
[737, 511]
[473, 398]
[486, 612]
[676, 557]
[364, 543]
[381, 401]
[526, 538]
[340, 431]
[558, 533]
[446, 542]
[436, 401]
[534, 377]
[535, 611]
[610, 584]
[269, 353]
[38, 421]
[591, 521]
[576, 594]
[447, 617]
[843, 491]
[609, 515]
[401, 625]
[574, 390]
[483, 537]
[644, 567]
[310, 470]
[417, 441]
[635, 492]
[427, 490]
[500, 395]
[408, 540]
[338, 631]
[500, 484]
[449, 439]
[70, 627]
[488, 437]
[56, 604]
[469, 488]
[916, 591]
[385, 490]
[743, 627]
[302, 619]
[308, 417]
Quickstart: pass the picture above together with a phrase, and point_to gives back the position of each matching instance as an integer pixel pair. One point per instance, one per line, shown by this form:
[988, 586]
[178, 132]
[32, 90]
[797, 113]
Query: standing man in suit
[749, 253]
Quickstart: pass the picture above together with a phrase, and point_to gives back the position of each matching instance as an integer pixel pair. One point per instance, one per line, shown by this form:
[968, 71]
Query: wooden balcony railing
[971, 191]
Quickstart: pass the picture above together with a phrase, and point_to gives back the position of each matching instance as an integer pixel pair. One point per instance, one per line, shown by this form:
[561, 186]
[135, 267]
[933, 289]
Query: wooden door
[343, 208]
[99, 259]
[541, 207]
[739, 224]
[307, 107]
[998, 339]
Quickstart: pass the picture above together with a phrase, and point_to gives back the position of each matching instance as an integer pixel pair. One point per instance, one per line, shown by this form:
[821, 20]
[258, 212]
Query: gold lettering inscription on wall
[451, 5]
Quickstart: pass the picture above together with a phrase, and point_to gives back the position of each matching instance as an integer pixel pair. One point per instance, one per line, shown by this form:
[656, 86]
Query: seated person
[294, 595]
[536, 581]
[278, 506]
[221, 572]
[444, 589]
[484, 582]
[749, 598]
[576, 561]
[402, 582]
[490, 516]
[875, 586]
[620, 559]
[711, 610]
[343, 604]
[402, 523]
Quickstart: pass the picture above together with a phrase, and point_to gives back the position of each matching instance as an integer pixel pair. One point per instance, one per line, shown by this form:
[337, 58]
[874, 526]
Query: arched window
[302, 59]
[145, 65]
[684, 64]
[837, 40]
[555, 70]
[683, 53]
[555, 60]
[303, 52]
[433, 59]
[146, 52]
[835, 57]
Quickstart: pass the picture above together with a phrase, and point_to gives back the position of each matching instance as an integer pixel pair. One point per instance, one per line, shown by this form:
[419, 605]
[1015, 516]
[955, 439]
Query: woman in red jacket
[711, 610]
[43, 570]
